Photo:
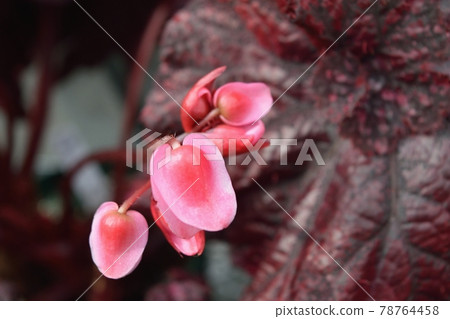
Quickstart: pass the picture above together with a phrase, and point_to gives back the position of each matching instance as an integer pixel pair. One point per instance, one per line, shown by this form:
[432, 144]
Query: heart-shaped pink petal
[230, 139]
[242, 103]
[117, 240]
[197, 102]
[175, 225]
[198, 190]
[187, 246]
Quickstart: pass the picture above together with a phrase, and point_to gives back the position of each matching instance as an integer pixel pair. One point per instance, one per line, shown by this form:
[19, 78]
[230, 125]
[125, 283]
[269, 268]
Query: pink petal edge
[189, 246]
[127, 262]
[175, 225]
[193, 105]
[243, 103]
[226, 137]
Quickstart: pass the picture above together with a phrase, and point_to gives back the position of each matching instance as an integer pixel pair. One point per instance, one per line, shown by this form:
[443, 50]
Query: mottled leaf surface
[384, 219]
[377, 106]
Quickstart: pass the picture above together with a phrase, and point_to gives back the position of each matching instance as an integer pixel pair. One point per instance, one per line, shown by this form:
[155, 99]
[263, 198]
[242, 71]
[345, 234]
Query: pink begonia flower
[192, 188]
[192, 191]
[239, 103]
[198, 101]
[242, 103]
[117, 240]
[230, 139]
[190, 246]
[176, 226]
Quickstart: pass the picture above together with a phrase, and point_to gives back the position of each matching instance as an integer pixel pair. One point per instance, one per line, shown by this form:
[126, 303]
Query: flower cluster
[191, 188]
[240, 106]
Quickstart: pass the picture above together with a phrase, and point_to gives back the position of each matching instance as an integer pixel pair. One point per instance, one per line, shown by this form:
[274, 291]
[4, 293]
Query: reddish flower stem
[137, 76]
[9, 140]
[136, 79]
[130, 200]
[174, 143]
[210, 117]
[6, 154]
[38, 113]
[116, 156]
[103, 156]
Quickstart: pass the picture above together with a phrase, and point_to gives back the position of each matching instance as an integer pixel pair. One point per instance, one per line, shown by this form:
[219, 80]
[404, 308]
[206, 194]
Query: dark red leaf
[384, 219]
[386, 81]
[377, 105]
[179, 286]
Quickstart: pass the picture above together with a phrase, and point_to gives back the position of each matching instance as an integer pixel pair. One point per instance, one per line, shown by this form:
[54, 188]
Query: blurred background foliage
[70, 97]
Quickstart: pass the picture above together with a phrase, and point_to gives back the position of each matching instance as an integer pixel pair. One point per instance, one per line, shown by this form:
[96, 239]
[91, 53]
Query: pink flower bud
[242, 103]
[197, 189]
[198, 101]
[188, 246]
[117, 240]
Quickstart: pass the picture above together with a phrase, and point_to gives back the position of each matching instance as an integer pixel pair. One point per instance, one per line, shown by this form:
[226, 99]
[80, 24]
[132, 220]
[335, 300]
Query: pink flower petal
[207, 146]
[175, 225]
[209, 200]
[190, 246]
[197, 103]
[242, 103]
[229, 139]
[117, 240]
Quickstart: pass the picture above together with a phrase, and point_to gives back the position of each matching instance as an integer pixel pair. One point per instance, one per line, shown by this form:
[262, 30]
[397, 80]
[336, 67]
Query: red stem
[38, 113]
[204, 124]
[130, 200]
[137, 76]
[6, 154]
[103, 156]
[211, 116]
[136, 79]
[9, 141]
